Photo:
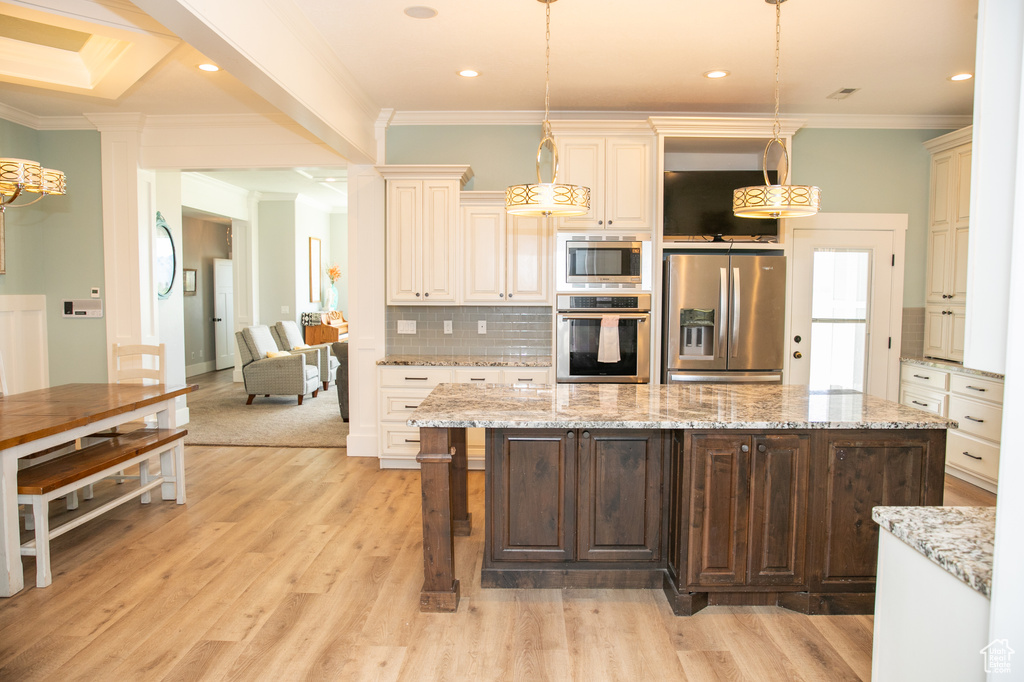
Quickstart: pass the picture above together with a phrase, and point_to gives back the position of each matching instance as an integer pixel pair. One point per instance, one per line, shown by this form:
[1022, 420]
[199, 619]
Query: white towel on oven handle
[608, 341]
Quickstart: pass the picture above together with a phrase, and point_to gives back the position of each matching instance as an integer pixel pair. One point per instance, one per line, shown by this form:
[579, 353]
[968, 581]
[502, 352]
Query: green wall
[873, 171]
[55, 247]
[499, 155]
[858, 170]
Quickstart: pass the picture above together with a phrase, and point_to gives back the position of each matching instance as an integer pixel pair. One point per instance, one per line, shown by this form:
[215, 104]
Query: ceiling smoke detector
[842, 93]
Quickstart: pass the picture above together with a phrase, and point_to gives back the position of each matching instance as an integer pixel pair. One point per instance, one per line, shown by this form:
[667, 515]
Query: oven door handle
[598, 316]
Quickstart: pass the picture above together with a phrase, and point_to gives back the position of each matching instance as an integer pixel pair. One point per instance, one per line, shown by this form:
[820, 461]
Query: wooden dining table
[34, 421]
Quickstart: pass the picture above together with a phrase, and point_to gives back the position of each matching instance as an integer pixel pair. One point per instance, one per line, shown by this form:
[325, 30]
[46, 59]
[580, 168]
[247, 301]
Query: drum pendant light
[547, 198]
[781, 200]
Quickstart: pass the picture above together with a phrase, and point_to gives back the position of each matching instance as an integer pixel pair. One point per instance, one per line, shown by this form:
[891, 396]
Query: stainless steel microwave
[600, 261]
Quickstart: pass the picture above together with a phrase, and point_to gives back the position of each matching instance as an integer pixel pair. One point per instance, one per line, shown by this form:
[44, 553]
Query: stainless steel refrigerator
[724, 318]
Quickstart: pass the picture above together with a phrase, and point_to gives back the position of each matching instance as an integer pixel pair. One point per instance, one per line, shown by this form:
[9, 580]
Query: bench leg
[30, 523]
[143, 480]
[173, 460]
[71, 500]
[87, 492]
[41, 517]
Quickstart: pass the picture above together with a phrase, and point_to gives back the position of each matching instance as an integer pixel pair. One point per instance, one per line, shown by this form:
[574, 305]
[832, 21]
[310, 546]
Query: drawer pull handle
[524, 380]
[410, 440]
[975, 388]
[919, 403]
[980, 421]
[921, 376]
[411, 407]
[970, 455]
[475, 379]
[416, 378]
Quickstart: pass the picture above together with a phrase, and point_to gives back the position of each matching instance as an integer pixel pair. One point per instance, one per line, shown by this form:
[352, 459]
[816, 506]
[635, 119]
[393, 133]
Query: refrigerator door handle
[723, 310]
[734, 342]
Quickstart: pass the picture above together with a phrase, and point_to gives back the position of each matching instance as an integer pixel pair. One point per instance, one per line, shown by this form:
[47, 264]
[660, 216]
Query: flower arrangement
[334, 273]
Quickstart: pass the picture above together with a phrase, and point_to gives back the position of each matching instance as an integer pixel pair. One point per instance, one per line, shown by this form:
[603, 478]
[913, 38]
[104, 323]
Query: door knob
[798, 355]
[797, 339]
[216, 319]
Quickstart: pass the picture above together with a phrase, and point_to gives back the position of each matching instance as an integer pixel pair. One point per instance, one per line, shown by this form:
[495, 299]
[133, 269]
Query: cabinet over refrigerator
[724, 317]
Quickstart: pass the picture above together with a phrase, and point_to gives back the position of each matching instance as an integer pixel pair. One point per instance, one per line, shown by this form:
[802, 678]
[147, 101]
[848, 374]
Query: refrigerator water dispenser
[697, 331]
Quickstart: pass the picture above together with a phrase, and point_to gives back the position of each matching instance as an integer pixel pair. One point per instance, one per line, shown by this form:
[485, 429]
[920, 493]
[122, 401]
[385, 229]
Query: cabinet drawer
[977, 388]
[524, 375]
[973, 455]
[976, 418]
[915, 375]
[397, 405]
[482, 375]
[399, 439]
[924, 400]
[422, 377]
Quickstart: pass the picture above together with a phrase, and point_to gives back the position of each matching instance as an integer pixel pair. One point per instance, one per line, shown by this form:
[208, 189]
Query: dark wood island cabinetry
[717, 494]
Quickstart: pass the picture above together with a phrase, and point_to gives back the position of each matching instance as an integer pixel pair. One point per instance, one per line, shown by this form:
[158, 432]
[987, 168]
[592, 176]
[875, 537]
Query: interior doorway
[208, 305]
[846, 279]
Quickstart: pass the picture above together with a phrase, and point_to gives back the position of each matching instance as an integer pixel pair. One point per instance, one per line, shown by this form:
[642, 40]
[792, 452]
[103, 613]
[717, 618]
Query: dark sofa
[340, 350]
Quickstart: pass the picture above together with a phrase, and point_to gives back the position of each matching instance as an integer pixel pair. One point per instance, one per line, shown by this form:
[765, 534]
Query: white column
[129, 309]
[366, 306]
[245, 251]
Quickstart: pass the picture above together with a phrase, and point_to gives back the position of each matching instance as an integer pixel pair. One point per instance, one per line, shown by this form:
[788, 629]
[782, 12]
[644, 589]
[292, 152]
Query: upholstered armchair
[294, 374]
[288, 337]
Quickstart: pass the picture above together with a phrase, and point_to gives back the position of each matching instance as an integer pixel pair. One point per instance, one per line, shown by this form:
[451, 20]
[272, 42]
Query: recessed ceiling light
[469, 73]
[962, 77]
[420, 12]
[209, 67]
[717, 73]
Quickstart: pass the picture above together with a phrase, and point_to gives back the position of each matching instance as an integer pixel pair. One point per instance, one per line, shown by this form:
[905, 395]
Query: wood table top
[32, 415]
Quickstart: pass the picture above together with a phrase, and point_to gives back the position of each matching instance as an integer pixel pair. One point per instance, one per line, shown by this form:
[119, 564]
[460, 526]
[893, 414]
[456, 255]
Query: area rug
[277, 421]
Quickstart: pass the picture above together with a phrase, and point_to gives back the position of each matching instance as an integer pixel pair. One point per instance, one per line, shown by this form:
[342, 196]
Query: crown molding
[723, 126]
[200, 178]
[129, 122]
[481, 198]
[34, 122]
[865, 121]
[440, 172]
[950, 140]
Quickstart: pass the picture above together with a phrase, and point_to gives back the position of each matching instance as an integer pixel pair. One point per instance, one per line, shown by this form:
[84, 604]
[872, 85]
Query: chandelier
[781, 200]
[547, 198]
[19, 176]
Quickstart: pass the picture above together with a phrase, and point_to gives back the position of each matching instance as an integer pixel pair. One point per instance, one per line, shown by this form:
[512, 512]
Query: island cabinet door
[532, 515]
[864, 471]
[720, 466]
[777, 544]
[619, 495]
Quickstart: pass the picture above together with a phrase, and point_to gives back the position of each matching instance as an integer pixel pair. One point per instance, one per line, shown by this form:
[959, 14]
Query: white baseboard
[200, 368]
[361, 445]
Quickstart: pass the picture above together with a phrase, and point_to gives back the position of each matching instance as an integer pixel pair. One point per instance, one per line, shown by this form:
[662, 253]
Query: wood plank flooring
[291, 564]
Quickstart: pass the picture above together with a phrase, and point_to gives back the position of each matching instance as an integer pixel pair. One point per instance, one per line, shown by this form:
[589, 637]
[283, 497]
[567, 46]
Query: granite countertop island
[959, 539]
[646, 406]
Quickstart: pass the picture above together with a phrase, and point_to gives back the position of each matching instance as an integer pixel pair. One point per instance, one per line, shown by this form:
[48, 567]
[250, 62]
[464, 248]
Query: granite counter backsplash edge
[951, 367]
[466, 361]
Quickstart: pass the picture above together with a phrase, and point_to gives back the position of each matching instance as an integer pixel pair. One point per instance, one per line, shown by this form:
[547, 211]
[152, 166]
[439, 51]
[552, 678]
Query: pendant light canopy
[781, 200]
[547, 198]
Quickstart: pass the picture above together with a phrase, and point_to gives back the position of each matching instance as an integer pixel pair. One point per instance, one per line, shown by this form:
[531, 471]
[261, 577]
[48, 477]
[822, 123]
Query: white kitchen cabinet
[402, 388]
[948, 227]
[975, 402]
[422, 232]
[506, 259]
[619, 170]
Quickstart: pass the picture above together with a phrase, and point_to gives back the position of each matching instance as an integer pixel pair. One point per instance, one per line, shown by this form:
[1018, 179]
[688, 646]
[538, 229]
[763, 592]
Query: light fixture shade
[547, 198]
[18, 174]
[776, 201]
[53, 182]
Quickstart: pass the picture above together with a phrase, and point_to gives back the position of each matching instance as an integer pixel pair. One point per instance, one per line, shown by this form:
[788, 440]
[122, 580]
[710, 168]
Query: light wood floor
[292, 563]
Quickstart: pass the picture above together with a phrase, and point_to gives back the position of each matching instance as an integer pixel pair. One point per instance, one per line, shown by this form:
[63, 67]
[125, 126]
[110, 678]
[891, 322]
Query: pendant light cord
[776, 129]
[546, 130]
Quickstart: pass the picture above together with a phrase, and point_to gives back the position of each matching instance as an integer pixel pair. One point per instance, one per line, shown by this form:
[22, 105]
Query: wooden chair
[134, 364]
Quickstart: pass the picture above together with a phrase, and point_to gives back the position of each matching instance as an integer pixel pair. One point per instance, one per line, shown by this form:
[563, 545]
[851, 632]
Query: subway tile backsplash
[511, 330]
[912, 341]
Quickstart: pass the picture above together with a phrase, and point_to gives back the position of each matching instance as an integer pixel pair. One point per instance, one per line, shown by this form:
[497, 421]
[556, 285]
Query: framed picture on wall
[315, 271]
[188, 278]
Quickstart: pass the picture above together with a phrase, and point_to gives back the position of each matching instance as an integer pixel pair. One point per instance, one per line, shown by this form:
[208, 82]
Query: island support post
[443, 466]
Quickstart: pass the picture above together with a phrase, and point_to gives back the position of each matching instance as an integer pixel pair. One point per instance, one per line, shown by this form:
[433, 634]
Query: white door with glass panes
[847, 294]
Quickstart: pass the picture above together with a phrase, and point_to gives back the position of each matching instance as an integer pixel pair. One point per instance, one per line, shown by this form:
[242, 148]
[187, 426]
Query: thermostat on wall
[83, 307]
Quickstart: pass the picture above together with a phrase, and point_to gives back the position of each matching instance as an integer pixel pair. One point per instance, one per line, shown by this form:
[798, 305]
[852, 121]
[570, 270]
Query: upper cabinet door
[483, 247]
[440, 220]
[528, 273]
[963, 186]
[404, 229]
[629, 184]
[581, 162]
